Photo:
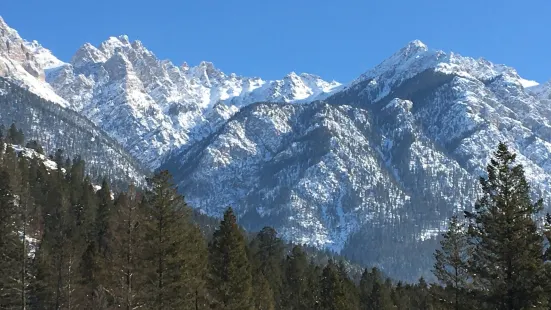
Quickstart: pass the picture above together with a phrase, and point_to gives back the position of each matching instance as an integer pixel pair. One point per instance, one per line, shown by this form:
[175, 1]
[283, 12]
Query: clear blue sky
[335, 39]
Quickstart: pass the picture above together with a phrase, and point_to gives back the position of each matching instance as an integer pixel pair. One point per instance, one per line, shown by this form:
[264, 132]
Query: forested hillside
[60, 128]
[66, 243]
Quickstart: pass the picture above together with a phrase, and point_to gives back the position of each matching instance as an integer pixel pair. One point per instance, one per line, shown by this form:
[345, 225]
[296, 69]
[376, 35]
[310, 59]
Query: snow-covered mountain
[375, 169]
[372, 168]
[55, 127]
[149, 105]
[152, 106]
[25, 63]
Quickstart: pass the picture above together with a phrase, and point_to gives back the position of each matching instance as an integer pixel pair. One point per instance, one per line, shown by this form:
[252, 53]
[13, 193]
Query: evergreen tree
[15, 136]
[296, 280]
[170, 282]
[263, 295]
[127, 244]
[10, 245]
[331, 289]
[230, 280]
[450, 265]
[374, 292]
[400, 297]
[365, 289]
[34, 145]
[24, 201]
[54, 285]
[422, 298]
[351, 293]
[313, 293]
[507, 259]
[379, 298]
[267, 258]
[95, 265]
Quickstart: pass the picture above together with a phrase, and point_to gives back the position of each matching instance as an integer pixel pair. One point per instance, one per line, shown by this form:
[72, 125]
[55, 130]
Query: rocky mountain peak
[87, 54]
[109, 46]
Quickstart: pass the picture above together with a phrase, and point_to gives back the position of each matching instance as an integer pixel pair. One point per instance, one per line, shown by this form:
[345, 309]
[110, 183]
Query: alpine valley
[371, 169]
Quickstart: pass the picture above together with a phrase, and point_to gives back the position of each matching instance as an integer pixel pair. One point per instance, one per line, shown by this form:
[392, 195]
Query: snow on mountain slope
[149, 105]
[55, 127]
[152, 106]
[24, 63]
[541, 91]
[310, 170]
[384, 161]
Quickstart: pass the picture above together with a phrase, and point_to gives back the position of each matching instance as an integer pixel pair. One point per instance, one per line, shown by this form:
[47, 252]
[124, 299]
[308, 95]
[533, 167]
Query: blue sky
[334, 39]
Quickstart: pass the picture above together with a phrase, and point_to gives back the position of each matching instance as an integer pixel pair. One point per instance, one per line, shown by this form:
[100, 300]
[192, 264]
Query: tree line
[66, 243]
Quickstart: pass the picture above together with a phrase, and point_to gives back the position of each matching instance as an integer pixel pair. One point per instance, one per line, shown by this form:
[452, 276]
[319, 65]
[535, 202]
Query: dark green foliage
[332, 290]
[297, 281]
[230, 279]
[15, 136]
[171, 268]
[507, 260]
[451, 264]
[33, 144]
[127, 244]
[267, 252]
[10, 245]
[64, 245]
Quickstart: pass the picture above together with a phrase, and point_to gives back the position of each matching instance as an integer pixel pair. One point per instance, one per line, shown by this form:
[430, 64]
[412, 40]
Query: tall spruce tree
[54, 284]
[95, 265]
[167, 258]
[230, 280]
[507, 256]
[374, 293]
[127, 244]
[10, 245]
[296, 281]
[450, 265]
[379, 298]
[267, 260]
[332, 291]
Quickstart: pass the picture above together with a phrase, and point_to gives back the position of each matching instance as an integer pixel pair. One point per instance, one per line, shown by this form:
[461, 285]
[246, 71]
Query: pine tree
[400, 297]
[365, 289]
[127, 244]
[296, 280]
[34, 145]
[170, 281]
[15, 136]
[313, 293]
[507, 256]
[450, 265]
[422, 298]
[24, 201]
[10, 246]
[95, 265]
[263, 295]
[331, 289]
[196, 267]
[374, 293]
[267, 259]
[230, 280]
[379, 298]
[54, 285]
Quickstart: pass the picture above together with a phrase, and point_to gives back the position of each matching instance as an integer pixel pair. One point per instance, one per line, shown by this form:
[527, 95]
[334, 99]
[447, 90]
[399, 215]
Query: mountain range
[371, 168]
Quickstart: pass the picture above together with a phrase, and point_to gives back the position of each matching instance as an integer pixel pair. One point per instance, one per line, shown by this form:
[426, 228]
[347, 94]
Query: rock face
[372, 168]
[152, 106]
[26, 63]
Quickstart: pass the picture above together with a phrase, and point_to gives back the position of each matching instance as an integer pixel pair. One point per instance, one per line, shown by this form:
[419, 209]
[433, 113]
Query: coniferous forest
[66, 243]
